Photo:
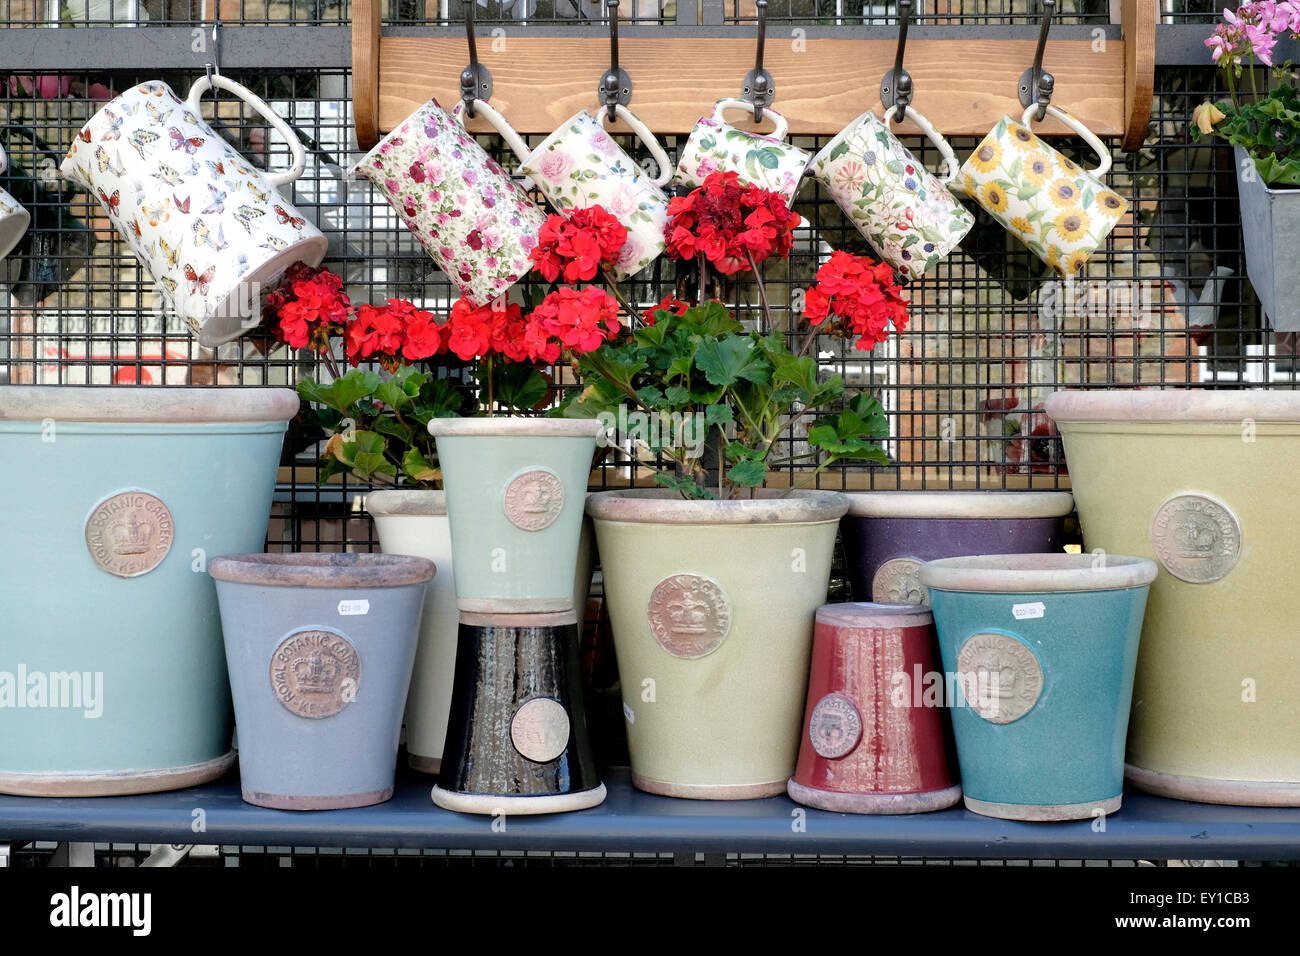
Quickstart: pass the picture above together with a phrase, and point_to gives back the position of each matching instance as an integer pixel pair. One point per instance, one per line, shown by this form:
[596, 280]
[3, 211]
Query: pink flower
[555, 165]
[620, 202]
[603, 143]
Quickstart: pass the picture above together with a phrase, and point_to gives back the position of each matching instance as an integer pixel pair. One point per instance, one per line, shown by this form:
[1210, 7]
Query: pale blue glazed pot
[515, 488]
[320, 647]
[118, 497]
[1040, 651]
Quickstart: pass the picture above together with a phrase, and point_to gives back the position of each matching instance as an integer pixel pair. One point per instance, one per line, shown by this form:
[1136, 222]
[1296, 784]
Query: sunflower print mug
[1061, 211]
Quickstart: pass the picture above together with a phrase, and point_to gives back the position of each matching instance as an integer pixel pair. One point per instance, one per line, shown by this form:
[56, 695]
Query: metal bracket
[4, 855]
[896, 85]
[475, 79]
[1036, 84]
[615, 87]
[759, 89]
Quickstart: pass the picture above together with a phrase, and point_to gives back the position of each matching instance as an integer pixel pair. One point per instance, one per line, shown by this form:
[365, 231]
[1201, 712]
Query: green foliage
[1269, 130]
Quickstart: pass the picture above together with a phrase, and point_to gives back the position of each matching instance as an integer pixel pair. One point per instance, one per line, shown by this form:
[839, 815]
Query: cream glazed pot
[1203, 482]
[712, 606]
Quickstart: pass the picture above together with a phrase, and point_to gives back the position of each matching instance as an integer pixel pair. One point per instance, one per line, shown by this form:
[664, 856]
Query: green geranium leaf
[747, 474]
[717, 415]
[736, 357]
[684, 486]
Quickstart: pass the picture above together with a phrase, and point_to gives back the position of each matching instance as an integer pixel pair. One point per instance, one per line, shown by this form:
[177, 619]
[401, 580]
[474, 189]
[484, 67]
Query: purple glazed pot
[888, 535]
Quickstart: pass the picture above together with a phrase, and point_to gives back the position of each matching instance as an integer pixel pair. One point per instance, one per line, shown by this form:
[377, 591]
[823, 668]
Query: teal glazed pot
[321, 649]
[515, 494]
[1039, 651]
[112, 673]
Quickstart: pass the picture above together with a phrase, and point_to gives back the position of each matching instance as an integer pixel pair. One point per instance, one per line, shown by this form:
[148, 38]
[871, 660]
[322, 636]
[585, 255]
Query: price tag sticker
[1024, 612]
[359, 606]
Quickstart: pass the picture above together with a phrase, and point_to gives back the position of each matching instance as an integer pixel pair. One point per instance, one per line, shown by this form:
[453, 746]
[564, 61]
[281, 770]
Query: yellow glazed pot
[1203, 482]
[712, 606]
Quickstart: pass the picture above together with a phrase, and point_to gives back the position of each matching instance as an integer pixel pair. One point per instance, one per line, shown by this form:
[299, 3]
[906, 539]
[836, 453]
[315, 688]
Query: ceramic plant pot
[320, 649]
[1207, 489]
[114, 678]
[888, 535]
[517, 742]
[1040, 650]
[876, 737]
[711, 605]
[515, 490]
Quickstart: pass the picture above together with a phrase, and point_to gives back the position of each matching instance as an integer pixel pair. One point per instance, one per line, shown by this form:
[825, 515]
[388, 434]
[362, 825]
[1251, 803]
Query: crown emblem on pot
[131, 535]
[316, 674]
[689, 614]
[996, 679]
[1196, 537]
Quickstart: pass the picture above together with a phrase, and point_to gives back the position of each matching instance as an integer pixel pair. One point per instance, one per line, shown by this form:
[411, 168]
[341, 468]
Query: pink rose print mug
[581, 165]
[765, 160]
[14, 219]
[211, 228]
[476, 222]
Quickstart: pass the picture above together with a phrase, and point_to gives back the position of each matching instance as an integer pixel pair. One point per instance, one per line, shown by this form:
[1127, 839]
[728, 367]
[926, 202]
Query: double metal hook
[759, 89]
[1036, 84]
[615, 87]
[896, 85]
[475, 80]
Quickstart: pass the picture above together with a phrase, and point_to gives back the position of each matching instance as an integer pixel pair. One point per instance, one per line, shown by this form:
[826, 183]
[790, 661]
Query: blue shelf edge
[1145, 828]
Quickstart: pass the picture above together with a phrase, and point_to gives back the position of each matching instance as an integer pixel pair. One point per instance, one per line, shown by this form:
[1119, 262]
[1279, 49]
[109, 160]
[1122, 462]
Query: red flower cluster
[669, 303]
[394, 331]
[307, 308]
[474, 332]
[730, 223]
[861, 292]
[571, 319]
[579, 245]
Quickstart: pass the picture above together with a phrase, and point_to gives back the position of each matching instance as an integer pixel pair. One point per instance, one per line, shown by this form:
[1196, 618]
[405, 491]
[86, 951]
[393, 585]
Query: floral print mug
[767, 161]
[1061, 211]
[14, 219]
[900, 207]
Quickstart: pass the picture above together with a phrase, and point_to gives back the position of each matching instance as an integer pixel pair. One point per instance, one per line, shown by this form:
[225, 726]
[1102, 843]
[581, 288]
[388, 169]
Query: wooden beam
[366, 26]
[1139, 23]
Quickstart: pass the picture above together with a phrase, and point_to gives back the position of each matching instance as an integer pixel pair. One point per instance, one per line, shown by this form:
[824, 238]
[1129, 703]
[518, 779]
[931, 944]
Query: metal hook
[615, 87]
[896, 85]
[475, 80]
[213, 67]
[1036, 84]
[759, 89]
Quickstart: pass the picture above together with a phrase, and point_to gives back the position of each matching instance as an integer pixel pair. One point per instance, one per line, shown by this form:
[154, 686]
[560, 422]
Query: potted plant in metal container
[1265, 131]
[713, 580]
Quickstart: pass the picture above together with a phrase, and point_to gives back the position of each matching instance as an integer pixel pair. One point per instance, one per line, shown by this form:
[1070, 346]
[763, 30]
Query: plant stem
[487, 371]
[614, 290]
[722, 439]
[330, 364]
[1232, 87]
[762, 293]
[812, 477]
[812, 334]
[704, 277]
[1254, 90]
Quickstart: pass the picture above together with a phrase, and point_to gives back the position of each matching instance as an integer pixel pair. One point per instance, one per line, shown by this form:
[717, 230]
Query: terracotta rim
[282, 801]
[664, 506]
[164, 404]
[960, 504]
[874, 803]
[711, 791]
[515, 805]
[412, 501]
[522, 619]
[1239, 793]
[115, 784]
[323, 570]
[870, 614]
[1037, 573]
[1175, 406]
[1026, 811]
[423, 764]
[514, 606]
[516, 427]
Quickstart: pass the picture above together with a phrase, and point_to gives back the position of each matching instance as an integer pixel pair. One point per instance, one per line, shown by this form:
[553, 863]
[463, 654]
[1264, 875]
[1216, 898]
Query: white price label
[628, 713]
[360, 606]
[1023, 612]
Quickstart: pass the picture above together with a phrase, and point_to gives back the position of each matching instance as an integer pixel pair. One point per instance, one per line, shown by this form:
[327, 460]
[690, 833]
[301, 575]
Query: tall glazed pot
[712, 606]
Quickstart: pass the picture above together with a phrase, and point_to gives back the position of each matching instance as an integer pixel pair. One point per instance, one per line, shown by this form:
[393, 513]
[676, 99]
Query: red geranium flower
[578, 245]
[861, 294]
[375, 331]
[730, 222]
[669, 303]
[473, 332]
[308, 308]
[572, 319]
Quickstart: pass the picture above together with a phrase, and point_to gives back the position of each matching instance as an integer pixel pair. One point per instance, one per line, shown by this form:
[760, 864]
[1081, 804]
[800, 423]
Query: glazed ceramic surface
[767, 161]
[1061, 211]
[14, 219]
[1040, 651]
[114, 678]
[518, 742]
[888, 535]
[581, 165]
[212, 229]
[320, 649]
[711, 605]
[475, 221]
[876, 737]
[1205, 491]
[900, 207]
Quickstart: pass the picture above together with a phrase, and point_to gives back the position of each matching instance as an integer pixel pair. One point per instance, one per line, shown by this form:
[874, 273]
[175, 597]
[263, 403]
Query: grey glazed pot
[320, 649]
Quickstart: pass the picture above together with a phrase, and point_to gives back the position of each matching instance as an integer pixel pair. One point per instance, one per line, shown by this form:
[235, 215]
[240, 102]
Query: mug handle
[643, 133]
[205, 83]
[1096, 145]
[934, 136]
[498, 123]
[732, 103]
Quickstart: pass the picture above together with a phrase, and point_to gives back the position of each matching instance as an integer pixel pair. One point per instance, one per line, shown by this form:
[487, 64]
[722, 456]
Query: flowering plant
[1267, 127]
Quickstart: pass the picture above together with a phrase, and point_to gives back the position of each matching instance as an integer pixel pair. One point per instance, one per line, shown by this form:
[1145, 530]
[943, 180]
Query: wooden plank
[366, 26]
[1139, 19]
[963, 86]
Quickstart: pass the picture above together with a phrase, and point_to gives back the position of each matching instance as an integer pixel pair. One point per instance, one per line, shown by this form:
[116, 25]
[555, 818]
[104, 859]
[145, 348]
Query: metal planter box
[1270, 224]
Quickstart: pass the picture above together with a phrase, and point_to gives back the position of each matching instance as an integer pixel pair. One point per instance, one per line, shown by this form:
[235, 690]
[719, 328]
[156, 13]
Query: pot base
[115, 784]
[874, 803]
[1236, 793]
[280, 801]
[422, 764]
[710, 791]
[510, 806]
[1025, 811]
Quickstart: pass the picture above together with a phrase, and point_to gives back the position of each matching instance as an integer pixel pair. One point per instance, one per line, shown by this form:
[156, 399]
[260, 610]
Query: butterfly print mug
[900, 207]
[765, 160]
[476, 222]
[1061, 211]
[212, 229]
[14, 219]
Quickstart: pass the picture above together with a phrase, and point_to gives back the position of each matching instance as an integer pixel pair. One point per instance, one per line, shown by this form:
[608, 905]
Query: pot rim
[960, 504]
[323, 569]
[517, 427]
[870, 613]
[663, 506]
[165, 404]
[425, 502]
[1037, 573]
[1175, 406]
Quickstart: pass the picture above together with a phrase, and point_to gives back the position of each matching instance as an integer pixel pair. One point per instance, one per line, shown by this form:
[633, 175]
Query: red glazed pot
[876, 734]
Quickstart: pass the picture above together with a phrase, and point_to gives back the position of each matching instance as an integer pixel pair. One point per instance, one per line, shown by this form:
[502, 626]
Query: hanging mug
[211, 228]
[476, 222]
[1061, 211]
[766, 160]
[905, 211]
[581, 165]
[14, 219]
